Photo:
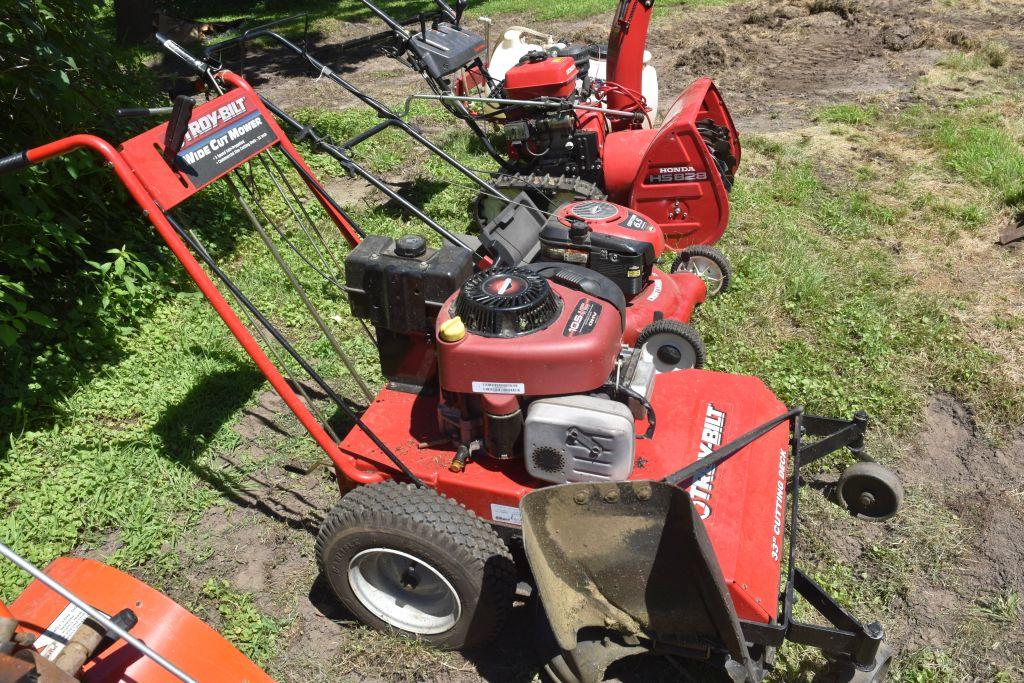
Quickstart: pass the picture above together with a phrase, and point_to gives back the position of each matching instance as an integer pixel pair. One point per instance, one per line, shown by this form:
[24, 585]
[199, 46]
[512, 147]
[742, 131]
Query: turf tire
[434, 528]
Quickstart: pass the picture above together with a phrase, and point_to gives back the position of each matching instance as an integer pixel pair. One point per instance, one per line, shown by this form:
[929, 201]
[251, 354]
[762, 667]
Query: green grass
[978, 147]
[852, 114]
[250, 630]
[353, 10]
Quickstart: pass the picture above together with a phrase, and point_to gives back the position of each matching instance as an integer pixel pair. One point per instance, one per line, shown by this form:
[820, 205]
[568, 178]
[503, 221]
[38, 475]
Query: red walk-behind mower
[658, 512]
[576, 124]
[614, 240]
[82, 620]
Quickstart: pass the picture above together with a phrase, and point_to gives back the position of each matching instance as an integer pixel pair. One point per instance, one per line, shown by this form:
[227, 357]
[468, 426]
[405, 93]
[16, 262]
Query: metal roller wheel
[707, 263]
[869, 491]
[673, 345]
[406, 559]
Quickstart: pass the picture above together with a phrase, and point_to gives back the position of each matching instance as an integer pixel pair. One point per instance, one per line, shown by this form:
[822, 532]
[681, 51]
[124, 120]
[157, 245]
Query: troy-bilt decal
[499, 388]
[710, 438]
[780, 506]
[594, 210]
[583, 319]
[634, 222]
[675, 174]
[201, 125]
[506, 514]
[224, 138]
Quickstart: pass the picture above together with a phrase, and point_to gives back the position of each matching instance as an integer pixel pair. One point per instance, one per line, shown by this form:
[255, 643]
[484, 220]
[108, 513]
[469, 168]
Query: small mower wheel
[869, 491]
[847, 673]
[410, 560]
[674, 345]
[707, 263]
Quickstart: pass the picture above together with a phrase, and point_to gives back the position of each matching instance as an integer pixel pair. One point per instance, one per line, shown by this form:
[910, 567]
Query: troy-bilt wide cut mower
[82, 620]
[577, 124]
[509, 388]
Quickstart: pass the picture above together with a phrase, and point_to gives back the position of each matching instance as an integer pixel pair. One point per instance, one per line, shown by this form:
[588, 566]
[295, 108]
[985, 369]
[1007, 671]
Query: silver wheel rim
[404, 591]
[708, 271]
[687, 354]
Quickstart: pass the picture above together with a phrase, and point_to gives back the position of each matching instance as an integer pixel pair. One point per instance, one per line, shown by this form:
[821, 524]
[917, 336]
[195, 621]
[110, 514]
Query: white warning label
[506, 514]
[499, 388]
[59, 632]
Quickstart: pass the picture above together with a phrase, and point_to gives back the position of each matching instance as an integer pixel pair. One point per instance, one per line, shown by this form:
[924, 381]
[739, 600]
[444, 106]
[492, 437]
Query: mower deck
[747, 541]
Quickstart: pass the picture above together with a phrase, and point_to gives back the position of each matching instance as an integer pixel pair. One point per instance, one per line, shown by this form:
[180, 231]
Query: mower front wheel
[869, 491]
[673, 345]
[409, 560]
[707, 263]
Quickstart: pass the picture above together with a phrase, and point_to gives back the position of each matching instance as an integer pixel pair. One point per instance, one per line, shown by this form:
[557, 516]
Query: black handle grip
[14, 162]
[181, 53]
[143, 111]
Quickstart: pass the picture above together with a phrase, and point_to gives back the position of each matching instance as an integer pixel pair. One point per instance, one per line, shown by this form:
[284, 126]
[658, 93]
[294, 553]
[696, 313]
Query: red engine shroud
[586, 330]
[743, 510]
[551, 77]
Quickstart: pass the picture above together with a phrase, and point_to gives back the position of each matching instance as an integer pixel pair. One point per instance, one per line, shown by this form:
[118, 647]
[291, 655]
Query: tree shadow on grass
[188, 428]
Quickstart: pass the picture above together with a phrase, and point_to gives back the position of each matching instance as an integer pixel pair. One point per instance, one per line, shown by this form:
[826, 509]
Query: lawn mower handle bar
[14, 162]
[181, 53]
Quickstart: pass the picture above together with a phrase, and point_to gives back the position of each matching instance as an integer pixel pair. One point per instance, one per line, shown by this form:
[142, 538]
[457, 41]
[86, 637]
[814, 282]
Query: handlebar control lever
[181, 114]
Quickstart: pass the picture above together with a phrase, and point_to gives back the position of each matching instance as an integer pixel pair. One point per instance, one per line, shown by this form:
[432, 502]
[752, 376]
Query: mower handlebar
[181, 53]
[143, 111]
[14, 162]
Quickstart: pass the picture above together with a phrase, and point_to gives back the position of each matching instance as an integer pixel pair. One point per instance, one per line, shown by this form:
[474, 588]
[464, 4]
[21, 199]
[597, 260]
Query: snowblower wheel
[869, 491]
[707, 263]
[407, 559]
[547, 192]
[673, 345]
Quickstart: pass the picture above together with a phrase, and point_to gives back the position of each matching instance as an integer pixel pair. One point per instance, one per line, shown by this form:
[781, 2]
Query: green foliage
[252, 631]
[56, 312]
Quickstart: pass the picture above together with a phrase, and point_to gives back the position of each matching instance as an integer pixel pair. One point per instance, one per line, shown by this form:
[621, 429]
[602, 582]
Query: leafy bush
[75, 261]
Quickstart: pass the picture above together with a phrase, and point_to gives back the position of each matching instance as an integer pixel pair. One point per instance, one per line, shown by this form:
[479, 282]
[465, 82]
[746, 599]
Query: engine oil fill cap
[410, 246]
[452, 330]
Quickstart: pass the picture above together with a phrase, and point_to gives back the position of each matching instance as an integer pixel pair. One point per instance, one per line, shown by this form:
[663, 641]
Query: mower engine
[503, 338]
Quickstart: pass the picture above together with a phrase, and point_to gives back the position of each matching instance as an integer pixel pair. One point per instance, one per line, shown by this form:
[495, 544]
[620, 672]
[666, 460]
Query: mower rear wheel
[869, 491]
[673, 345]
[847, 673]
[409, 560]
[707, 263]
[546, 191]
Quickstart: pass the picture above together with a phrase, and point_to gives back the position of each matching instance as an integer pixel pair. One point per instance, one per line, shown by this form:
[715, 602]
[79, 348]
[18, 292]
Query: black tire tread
[677, 327]
[430, 514]
[715, 255]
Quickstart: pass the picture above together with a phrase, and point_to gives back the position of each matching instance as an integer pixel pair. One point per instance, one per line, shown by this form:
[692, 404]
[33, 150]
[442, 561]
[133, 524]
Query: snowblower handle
[14, 162]
[180, 52]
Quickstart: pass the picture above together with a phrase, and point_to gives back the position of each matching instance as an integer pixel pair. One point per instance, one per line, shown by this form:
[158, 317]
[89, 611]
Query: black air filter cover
[506, 302]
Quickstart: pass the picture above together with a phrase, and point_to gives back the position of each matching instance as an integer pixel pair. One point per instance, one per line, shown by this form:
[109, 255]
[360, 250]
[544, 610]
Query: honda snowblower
[509, 386]
[577, 122]
[82, 620]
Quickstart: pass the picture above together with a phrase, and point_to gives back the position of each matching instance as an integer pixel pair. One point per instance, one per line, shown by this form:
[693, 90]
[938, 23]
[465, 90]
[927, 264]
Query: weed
[249, 629]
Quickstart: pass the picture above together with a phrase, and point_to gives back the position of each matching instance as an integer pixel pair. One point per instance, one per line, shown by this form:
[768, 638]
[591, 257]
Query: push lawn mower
[510, 386]
[60, 630]
[611, 239]
[577, 125]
